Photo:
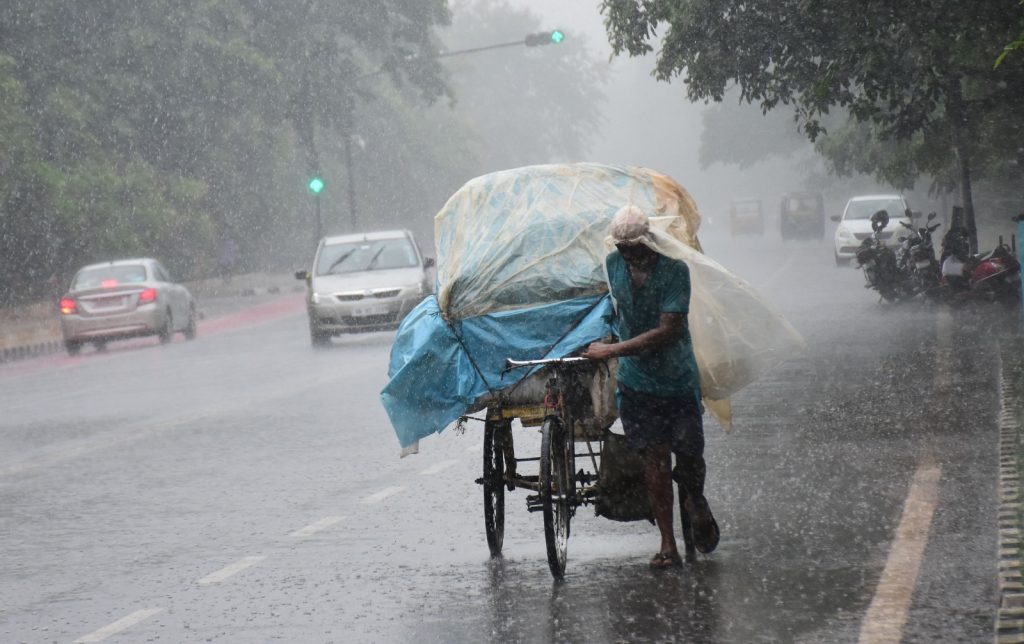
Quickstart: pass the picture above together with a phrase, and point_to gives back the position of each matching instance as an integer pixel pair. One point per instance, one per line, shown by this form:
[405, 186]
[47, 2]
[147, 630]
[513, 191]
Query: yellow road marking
[888, 611]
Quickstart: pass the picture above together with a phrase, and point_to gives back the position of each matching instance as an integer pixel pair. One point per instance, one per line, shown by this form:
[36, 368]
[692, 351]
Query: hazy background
[653, 124]
[169, 128]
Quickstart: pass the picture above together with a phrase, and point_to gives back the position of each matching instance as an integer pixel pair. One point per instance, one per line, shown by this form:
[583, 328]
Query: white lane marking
[228, 571]
[118, 626]
[383, 494]
[887, 613]
[438, 467]
[316, 526]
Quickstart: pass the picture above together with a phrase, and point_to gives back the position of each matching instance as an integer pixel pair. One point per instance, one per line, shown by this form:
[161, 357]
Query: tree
[1013, 46]
[158, 127]
[909, 70]
[735, 133]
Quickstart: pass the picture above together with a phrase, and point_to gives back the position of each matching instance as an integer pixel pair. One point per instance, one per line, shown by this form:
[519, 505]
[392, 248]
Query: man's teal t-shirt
[669, 370]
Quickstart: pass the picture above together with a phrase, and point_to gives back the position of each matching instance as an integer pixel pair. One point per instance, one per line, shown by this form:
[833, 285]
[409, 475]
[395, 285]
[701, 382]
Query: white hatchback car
[855, 223]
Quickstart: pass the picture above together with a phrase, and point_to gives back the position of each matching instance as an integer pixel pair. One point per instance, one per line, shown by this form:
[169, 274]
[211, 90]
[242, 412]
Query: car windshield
[864, 209]
[802, 203]
[747, 207]
[366, 255]
[109, 276]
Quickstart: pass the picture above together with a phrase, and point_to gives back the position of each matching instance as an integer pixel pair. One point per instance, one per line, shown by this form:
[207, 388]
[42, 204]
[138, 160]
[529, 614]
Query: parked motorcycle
[916, 255]
[987, 277]
[881, 267]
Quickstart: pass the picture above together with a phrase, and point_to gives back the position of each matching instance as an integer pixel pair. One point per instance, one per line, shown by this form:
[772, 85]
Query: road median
[33, 329]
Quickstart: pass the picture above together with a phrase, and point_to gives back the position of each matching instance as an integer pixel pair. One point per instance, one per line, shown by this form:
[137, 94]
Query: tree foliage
[160, 127]
[917, 74]
[163, 127]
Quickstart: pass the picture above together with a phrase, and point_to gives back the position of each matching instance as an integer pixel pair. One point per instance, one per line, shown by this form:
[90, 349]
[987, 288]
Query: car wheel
[167, 330]
[318, 338]
[190, 330]
[73, 348]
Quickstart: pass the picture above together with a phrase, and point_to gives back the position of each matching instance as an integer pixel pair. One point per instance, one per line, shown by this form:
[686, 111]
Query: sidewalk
[34, 329]
[1010, 623]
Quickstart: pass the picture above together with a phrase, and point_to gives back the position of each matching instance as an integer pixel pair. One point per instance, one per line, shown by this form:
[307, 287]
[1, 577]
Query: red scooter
[985, 277]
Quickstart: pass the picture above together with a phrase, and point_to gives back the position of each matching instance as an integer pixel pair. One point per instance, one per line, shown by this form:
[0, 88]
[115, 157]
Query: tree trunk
[959, 128]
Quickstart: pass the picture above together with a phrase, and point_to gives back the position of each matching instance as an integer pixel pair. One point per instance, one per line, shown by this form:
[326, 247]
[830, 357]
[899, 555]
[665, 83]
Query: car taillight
[148, 295]
[67, 305]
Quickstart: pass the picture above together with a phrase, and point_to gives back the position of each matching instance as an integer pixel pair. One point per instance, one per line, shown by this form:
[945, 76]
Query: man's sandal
[666, 560]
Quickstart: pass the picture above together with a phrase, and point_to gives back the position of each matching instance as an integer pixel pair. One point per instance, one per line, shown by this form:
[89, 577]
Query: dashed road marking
[317, 526]
[118, 626]
[383, 494]
[887, 613]
[229, 571]
[438, 467]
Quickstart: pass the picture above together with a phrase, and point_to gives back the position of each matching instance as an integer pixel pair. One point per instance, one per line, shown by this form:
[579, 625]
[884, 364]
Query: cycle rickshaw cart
[520, 275]
[575, 467]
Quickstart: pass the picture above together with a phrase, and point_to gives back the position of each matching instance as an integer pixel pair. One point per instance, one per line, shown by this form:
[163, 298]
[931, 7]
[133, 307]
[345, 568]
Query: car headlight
[844, 233]
[315, 298]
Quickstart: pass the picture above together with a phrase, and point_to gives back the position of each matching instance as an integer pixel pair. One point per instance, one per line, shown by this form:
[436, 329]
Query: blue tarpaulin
[433, 380]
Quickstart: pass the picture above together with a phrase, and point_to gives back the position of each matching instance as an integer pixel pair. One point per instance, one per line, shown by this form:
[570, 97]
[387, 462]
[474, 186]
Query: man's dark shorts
[650, 420]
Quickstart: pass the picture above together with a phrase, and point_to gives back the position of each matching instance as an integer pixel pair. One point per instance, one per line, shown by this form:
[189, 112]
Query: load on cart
[521, 289]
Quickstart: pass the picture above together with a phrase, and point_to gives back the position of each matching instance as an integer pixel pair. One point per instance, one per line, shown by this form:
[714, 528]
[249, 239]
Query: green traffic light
[316, 184]
[557, 36]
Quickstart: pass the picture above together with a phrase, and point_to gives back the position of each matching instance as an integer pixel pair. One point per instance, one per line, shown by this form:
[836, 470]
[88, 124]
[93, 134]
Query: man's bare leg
[658, 476]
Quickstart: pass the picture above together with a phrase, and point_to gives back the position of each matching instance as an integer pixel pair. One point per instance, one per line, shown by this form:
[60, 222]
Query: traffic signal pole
[315, 186]
[449, 54]
[536, 39]
[319, 220]
[351, 182]
[531, 40]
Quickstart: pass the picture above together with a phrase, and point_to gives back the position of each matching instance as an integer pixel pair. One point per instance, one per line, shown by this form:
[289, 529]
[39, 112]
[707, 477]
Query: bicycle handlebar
[514, 364]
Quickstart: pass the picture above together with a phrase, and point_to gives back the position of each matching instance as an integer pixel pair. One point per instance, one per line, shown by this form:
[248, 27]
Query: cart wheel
[494, 488]
[556, 484]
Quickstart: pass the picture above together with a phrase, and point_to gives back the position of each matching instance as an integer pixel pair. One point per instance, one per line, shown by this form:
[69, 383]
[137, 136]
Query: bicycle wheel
[494, 488]
[556, 482]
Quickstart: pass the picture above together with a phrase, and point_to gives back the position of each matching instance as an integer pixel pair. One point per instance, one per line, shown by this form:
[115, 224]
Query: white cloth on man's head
[630, 226]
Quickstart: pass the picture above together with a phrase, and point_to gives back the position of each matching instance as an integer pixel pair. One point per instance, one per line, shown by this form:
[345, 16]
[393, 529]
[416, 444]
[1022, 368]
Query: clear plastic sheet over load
[531, 237]
[536, 235]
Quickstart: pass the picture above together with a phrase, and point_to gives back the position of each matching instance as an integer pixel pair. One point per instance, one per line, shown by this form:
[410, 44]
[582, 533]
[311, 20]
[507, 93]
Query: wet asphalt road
[245, 488]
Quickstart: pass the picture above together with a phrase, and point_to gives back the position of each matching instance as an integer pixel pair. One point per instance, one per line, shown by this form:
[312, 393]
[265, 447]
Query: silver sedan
[124, 299]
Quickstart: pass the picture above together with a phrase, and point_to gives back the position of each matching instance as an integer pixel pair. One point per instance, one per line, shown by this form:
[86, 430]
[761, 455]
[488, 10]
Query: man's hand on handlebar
[599, 351]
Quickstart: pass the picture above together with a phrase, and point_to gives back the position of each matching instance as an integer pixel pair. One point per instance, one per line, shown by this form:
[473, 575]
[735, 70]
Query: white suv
[855, 223]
